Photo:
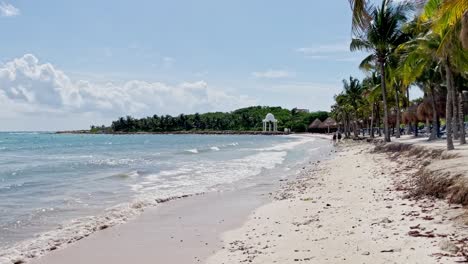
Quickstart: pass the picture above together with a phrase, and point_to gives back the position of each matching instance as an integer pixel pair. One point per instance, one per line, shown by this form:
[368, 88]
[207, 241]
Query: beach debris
[448, 246]
[416, 233]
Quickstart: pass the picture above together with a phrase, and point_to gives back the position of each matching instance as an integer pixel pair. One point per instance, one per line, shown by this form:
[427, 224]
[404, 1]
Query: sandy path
[345, 211]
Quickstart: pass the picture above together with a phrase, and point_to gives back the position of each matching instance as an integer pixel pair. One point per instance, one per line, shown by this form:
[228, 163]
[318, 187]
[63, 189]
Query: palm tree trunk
[428, 126]
[379, 132]
[416, 129]
[407, 97]
[384, 97]
[449, 108]
[456, 120]
[464, 30]
[372, 121]
[461, 116]
[435, 127]
[397, 98]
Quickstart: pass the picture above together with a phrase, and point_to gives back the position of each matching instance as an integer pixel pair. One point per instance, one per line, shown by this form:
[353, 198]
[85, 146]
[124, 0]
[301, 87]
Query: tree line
[244, 119]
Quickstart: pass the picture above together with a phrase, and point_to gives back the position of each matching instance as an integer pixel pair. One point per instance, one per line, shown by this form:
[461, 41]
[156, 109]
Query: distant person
[339, 136]
[334, 137]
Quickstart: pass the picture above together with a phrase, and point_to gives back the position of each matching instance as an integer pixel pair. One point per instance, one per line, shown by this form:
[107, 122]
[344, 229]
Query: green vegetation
[245, 119]
[410, 44]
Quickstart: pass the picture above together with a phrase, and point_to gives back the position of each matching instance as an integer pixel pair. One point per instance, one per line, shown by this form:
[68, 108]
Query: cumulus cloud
[273, 74]
[8, 10]
[28, 87]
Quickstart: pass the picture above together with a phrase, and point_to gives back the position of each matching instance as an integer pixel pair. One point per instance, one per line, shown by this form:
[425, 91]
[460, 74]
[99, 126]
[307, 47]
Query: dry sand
[349, 210]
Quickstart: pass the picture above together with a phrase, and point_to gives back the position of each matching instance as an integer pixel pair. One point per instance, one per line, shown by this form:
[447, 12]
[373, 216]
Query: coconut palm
[372, 93]
[381, 38]
[353, 95]
[446, 15]
[450, 55]
[361, 17]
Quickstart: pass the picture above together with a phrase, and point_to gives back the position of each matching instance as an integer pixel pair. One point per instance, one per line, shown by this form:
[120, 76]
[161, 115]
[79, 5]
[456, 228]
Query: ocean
[59, 188]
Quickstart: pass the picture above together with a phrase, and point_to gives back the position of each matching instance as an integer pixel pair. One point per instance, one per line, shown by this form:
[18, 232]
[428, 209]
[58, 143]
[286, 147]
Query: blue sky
[67, 64]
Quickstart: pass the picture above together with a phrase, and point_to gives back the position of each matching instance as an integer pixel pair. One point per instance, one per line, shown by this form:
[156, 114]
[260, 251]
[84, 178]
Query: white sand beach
[348, 210]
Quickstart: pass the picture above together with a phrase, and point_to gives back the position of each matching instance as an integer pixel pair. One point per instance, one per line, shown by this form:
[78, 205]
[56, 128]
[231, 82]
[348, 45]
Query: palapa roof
[315, 124]
[329, 122]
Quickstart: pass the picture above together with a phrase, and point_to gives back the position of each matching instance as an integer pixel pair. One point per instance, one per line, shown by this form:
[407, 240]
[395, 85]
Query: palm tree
[381, 38]
[353, 96]
[447, 14]
[371, 91]
[449, 53]
[361, 17]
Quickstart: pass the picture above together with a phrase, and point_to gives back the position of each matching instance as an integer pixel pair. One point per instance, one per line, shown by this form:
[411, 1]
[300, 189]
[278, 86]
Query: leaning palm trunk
[398, 113]
[449, 108]
[384, 97]
[461, 118]
[435, 127]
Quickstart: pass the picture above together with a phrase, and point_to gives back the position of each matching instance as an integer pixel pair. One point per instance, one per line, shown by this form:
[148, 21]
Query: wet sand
[181, 231]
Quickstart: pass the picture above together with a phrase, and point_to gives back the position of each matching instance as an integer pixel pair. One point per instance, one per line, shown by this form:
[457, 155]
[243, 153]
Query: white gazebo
[270, 123]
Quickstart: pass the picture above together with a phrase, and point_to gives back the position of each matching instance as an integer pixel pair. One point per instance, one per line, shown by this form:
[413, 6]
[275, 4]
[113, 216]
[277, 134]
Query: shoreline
[47, 244]
[192, 225]
[357, 207]
[227, 132]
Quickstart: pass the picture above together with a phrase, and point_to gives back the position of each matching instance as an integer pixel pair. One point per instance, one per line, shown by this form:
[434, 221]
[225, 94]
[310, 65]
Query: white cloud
[273, 74]
[8, 10]
[29, 88]
[324, 49]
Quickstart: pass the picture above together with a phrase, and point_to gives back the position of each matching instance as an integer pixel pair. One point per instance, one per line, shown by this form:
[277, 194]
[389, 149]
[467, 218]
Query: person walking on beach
[334, 138]
[339, 136]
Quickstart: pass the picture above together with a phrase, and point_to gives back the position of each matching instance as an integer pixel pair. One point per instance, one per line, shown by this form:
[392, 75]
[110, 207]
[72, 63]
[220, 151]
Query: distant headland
[244, 121]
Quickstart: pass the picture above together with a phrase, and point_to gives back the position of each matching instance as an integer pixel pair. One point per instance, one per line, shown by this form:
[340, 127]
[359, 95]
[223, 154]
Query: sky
[71, 64]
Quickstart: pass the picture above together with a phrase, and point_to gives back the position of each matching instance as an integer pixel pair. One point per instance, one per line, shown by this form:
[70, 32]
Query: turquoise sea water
[60, 186]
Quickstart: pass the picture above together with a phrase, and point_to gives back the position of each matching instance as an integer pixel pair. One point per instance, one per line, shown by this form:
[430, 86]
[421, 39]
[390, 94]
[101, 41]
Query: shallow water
[49, 182]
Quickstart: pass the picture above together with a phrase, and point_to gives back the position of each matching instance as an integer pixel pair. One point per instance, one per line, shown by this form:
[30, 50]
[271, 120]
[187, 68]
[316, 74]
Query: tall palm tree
[449, 53]
[381, 38]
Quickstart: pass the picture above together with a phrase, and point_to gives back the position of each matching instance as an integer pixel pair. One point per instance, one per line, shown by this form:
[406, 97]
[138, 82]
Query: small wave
[233, 144]
[128, 175]
[12, 186]
[112, 162]
[194, 151]
[78, 229]
[23, 133]
[214, 148]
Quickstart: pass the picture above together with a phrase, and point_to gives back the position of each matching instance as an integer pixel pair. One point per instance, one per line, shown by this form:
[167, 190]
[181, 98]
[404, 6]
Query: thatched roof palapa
[328, 123]
[315, 124]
